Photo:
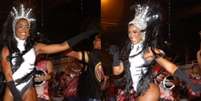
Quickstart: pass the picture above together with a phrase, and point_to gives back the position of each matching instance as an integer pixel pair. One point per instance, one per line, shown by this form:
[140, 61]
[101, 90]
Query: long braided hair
[8, 40]
[150, 40]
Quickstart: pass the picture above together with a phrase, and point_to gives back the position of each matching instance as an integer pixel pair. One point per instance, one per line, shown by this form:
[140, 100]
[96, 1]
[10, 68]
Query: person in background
[44, 70]
[69, 81]
[92, 75]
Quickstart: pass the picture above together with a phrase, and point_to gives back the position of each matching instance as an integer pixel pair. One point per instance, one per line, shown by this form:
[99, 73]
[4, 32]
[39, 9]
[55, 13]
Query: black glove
[196, 87]
[73, 41]
[114, 51]
[16, 94]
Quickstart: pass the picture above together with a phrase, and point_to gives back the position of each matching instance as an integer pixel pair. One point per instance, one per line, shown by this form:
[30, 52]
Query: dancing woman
[137, 55]
[19, 54]
[133, 66]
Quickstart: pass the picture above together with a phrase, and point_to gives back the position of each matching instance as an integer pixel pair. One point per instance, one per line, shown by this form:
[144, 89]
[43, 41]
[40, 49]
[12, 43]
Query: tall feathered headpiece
[21, 13]
[143, 15]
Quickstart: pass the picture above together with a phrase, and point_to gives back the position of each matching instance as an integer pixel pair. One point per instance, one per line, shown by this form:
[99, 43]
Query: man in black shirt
[89, 87]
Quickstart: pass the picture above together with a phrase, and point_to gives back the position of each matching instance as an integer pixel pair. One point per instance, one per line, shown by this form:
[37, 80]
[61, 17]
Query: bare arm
[199, 57]
[54, 48]
[6, 67]
[166, 64]
[41, 48]
[177, 72]
[78, 55]
[49, 71]
[117, 70]
[74, 54]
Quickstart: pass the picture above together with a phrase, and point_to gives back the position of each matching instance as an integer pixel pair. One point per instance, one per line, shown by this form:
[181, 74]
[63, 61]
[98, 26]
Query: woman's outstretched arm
[41, 48]
[174, 70]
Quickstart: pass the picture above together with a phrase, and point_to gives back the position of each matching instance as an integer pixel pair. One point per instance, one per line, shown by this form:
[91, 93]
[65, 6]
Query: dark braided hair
[151, 38]
[124, 56]
[8, 40]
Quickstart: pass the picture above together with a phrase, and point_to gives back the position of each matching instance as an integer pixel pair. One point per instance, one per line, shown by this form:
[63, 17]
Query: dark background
[58, 20]
[181, 22]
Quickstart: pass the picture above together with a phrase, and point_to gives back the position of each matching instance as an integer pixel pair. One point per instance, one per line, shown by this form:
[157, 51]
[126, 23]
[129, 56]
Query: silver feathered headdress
[21, 13]
[142, 16]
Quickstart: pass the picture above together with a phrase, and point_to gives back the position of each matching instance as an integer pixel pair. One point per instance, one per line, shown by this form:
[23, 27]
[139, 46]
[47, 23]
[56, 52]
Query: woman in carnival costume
[19, 51]
[133, 62]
